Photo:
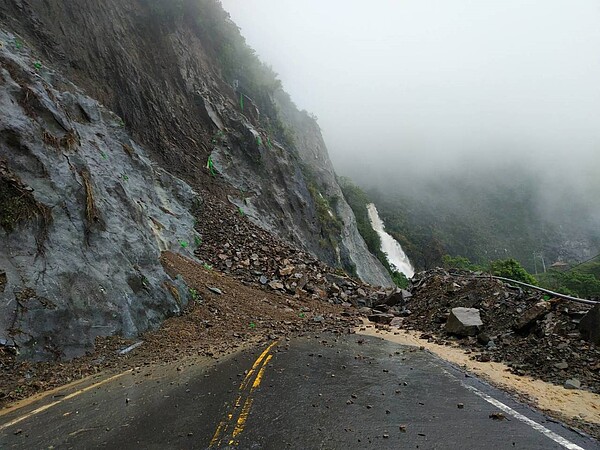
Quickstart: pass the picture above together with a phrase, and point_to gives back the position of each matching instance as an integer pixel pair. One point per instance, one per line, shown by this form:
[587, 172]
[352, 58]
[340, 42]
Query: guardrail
[547, 291]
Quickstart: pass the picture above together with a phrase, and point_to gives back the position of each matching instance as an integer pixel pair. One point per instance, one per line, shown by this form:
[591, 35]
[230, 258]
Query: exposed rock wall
[85, 216]
[313, 152]
[98, 190]
[165, 82]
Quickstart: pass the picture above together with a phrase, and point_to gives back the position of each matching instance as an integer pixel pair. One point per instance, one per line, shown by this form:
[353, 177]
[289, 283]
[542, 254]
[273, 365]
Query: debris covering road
[213, 325]
[316, 391]
[266, 301]
[534, 334]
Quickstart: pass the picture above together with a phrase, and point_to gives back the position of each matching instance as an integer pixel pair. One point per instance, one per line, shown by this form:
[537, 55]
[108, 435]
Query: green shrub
[573, 282]
[459, 262]
[511, 268]
[193, 294]
[399, 279]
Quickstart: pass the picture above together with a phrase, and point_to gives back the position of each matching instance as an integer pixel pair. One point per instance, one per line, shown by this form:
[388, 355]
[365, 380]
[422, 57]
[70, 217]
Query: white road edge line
[536, 426]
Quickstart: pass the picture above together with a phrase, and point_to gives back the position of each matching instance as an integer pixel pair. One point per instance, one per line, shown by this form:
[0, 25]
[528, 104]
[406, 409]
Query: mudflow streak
[389, 245]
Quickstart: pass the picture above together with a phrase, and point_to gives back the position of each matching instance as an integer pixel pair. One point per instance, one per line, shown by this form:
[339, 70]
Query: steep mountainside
[169, 70]
[90, 198]
[500, 213]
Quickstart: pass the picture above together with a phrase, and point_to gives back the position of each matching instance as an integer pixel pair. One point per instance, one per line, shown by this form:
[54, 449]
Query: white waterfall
[390, 246]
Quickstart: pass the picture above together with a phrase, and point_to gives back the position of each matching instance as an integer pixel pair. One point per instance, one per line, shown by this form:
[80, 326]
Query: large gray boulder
[530, 316]
[589, 326]
[464, 322]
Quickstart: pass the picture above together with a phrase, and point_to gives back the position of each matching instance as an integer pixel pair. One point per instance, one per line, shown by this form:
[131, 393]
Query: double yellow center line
[233, 425]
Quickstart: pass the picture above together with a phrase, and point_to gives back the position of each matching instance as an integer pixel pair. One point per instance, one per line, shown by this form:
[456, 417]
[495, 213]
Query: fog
[406, 88]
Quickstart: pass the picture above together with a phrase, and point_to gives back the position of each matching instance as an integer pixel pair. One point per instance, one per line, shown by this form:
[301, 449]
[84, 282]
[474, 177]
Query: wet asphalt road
[314, 392]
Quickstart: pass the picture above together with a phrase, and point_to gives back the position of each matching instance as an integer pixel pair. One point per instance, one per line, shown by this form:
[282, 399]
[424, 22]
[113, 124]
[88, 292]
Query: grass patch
[129, 150]
[70, 140]
[92, 214]
[173, 291]
[18, 205]
[50, 139]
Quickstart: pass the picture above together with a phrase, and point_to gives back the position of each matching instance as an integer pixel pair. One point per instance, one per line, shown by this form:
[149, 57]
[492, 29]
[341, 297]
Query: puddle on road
[574, 404]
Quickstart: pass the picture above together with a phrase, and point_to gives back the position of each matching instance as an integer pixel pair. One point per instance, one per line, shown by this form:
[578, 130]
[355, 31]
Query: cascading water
[390, 246]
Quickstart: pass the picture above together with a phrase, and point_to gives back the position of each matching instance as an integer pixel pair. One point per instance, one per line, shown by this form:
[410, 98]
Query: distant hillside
[499, 214]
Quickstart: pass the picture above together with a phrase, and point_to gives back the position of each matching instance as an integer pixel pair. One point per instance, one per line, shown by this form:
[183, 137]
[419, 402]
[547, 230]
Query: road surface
[312, 392]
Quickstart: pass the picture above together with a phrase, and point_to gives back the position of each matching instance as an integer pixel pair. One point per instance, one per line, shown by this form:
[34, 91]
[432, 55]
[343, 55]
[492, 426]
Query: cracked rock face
[84, 217]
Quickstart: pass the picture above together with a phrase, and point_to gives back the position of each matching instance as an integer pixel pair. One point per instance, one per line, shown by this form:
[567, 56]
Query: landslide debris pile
[232, 244]
[531, 332]
[223, 315]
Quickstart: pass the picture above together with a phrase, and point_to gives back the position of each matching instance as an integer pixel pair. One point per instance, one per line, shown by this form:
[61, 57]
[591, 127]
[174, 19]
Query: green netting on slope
[210, 166]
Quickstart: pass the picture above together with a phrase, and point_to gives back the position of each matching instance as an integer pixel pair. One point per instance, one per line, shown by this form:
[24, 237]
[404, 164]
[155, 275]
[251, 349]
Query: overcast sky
[430, 84]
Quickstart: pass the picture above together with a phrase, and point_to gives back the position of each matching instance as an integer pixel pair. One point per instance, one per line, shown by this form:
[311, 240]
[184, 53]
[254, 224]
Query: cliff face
[163, 74]
[85, 216]
[161, 70]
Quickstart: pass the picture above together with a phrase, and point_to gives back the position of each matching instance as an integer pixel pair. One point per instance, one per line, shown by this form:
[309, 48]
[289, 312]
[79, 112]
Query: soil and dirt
[241, 307]
[212, 325]
[269, 290]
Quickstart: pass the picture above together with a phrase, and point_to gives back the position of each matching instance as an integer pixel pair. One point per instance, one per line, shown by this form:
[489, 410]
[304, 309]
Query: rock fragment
[384, 318]
[215, 290]
[589, 326]
[572, 383]
[464, 322]
[531, 315]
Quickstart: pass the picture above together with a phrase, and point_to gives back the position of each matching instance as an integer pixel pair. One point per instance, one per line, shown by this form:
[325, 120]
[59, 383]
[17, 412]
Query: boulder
[528, 318]
[394, 299]
[381, 308]
[398, 297]
[396, 322]
[589, 326]
[573, 383]
[464, 322]
[381, 318]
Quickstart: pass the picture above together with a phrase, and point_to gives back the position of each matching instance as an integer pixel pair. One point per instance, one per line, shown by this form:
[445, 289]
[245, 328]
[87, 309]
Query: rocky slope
[165, 79]
[91, 198]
